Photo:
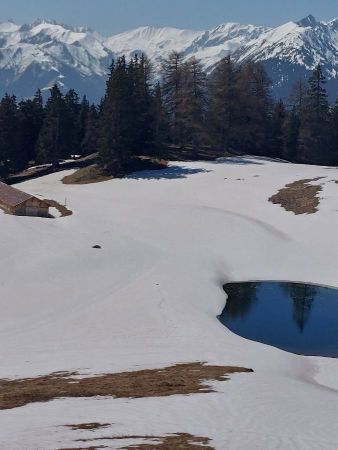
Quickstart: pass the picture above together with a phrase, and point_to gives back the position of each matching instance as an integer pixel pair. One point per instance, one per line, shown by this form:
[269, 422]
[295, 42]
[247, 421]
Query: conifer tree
[90, 139]
[276, 130]
[193, 103]
[291, 135]
[53, 143]
[224, 113]
[140, 72]
[73, 131]
[255, 104]
[314, 117]
[333, 126]
[83, 119]
[9, 143]
[173, 78]
[30, 117]
[160, 122]
[115, 139]
[298, 94]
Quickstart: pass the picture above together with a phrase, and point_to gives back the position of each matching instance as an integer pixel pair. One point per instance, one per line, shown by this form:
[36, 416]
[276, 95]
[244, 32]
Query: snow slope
[151, 297]
[294, 49]
[40, 54]
[43, 53]
[156, 42]
[222, 41]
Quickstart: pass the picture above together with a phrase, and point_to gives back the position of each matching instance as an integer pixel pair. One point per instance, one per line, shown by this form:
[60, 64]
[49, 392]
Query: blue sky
[113, 16]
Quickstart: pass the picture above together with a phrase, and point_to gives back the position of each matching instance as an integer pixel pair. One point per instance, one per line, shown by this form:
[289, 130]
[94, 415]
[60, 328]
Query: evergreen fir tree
[72, 111]
[9, 143]
[90, 139]
[193, 103]
[276, 130]
[53, 142]
[116, 139]
[140, 72]
[255, 105]
[83, 119]
[314, 117]
[298, 94]
[224, 112]
[30, 116]
[291, 135]
[173, 78]
[333, 127]
[160, 122]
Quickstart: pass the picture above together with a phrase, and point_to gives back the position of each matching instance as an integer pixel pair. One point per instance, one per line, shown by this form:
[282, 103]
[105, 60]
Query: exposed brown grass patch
[85, 448]
[179, 441]
[299, 197]
[63, 210]
[96, 174]
[88, 426]
[174, 153]
[87, 175]
[180, 379]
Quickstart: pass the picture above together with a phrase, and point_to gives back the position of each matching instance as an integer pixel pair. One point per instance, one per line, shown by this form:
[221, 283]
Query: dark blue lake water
[298, 318]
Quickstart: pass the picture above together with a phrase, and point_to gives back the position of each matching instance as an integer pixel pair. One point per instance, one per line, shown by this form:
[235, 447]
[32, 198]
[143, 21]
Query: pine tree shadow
[170, 173]
[241, 160]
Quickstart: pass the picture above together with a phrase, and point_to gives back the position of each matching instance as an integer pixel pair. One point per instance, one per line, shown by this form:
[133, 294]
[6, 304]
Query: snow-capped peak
[9, 27]
[333, 24]
[37, 55]
[308, 21]
[155, 42]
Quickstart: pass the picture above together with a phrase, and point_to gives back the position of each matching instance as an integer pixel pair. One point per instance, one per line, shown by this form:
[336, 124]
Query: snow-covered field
[150, 298]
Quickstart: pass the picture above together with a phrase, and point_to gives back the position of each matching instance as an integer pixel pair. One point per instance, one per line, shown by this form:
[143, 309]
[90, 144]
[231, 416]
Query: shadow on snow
[170, 173]
[247, 160]
[241, 161]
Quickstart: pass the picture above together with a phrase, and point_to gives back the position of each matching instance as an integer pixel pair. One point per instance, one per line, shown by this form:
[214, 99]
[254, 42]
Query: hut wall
[8, 209]
[34, 208]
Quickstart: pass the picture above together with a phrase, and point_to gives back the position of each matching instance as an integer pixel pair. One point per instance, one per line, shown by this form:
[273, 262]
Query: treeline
[31, 132]
[230, 110]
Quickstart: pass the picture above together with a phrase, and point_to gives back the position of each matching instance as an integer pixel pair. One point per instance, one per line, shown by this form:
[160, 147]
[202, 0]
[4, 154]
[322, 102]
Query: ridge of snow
[155, 42]
[223, 40]
[8, 27]
[305, 43]
[309, 21]
[83, 54]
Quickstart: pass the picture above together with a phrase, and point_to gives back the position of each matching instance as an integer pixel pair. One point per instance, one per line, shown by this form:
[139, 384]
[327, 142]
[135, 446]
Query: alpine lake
[299, 318]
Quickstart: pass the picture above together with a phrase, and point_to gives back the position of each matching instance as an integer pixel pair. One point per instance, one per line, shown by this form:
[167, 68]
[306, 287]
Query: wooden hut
[19, 203]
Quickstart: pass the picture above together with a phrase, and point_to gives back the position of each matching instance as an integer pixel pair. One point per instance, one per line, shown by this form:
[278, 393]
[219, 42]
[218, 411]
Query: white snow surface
[157, 43]
[150, 298]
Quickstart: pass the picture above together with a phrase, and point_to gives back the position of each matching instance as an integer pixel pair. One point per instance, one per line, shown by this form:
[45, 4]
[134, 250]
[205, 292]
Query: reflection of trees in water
[241, 297]
[303, 296]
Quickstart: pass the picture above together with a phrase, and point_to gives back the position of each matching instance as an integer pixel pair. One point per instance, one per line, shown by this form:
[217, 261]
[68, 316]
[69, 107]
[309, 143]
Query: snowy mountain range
[44, 52]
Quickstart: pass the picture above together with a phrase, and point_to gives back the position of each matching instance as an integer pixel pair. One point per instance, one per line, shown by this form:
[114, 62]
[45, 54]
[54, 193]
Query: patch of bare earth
[299, 197]
[180, 379]
[63, 210]
[85, 448]
[97, 174]
[88, 426]
[87, 175]
[179, 441]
